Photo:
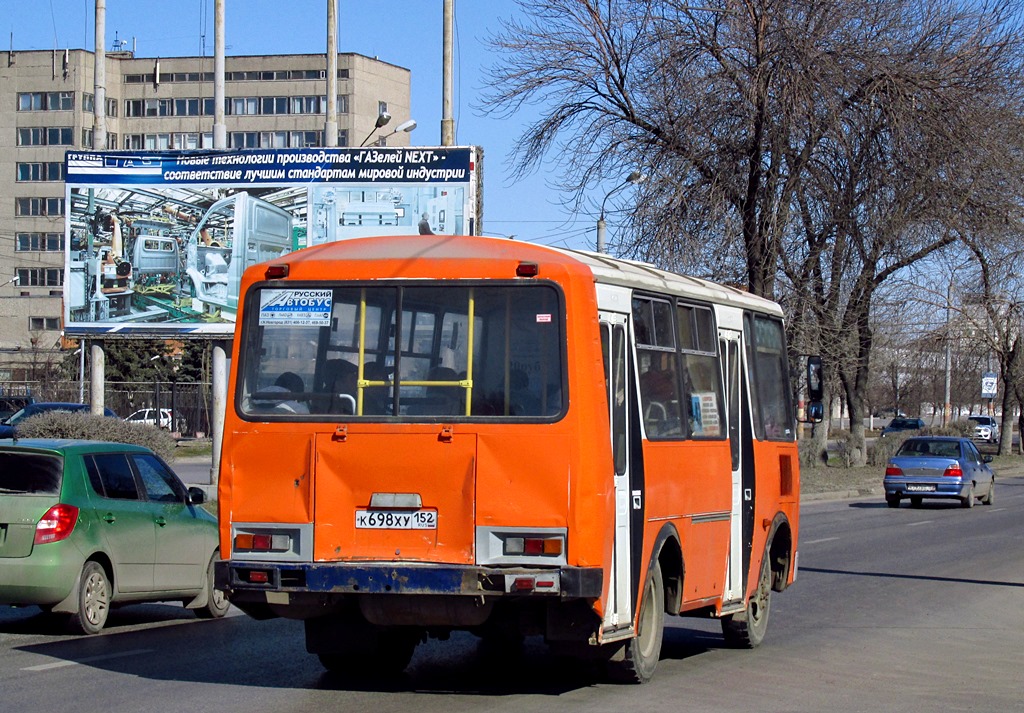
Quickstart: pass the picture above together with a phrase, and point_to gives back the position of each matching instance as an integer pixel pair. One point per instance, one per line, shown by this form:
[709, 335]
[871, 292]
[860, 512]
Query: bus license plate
[396, 519]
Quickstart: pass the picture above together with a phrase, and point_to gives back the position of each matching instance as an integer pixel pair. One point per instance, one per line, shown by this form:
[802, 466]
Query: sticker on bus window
[543, 318]
[295, 308]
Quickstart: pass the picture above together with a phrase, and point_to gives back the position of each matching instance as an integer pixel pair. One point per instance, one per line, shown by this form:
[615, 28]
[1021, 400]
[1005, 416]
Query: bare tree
[833, 143]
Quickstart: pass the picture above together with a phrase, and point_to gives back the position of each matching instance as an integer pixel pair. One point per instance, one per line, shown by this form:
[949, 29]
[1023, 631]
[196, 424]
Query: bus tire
[642, 653]
[747, 630]
[383, 655]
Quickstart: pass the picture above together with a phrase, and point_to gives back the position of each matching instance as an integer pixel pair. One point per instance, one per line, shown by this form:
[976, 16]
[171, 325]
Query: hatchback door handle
[109, 517]
[161, 521]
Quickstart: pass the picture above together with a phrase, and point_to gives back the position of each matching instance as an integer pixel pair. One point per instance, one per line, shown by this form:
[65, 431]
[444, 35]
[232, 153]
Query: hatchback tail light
[954, 471]
[57, 524]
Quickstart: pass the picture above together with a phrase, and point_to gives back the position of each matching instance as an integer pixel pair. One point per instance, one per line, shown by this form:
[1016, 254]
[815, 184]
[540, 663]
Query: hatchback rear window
[30, 473]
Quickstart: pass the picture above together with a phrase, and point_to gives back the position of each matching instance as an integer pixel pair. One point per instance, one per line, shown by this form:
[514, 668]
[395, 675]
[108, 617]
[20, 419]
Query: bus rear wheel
[385, 655]
[640, 655]
[747, 630]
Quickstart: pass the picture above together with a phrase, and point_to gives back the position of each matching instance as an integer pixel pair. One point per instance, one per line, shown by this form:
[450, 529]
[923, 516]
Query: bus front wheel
[747, 629]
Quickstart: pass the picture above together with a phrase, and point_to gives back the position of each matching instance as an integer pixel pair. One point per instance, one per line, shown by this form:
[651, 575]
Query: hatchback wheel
[217, 603]
[93, 600]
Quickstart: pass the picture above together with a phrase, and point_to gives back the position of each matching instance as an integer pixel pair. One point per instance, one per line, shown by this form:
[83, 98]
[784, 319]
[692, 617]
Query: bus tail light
[893, 470]
[954, 471]
[58, 522]
[259, 542]
[534, 546]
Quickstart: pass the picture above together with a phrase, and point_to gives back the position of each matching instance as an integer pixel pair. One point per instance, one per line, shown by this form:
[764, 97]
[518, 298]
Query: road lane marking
[824, 539]
[88, 659]
[915, 524]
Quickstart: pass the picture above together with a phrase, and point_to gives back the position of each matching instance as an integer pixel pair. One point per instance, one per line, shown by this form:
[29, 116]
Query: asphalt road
[915, 609]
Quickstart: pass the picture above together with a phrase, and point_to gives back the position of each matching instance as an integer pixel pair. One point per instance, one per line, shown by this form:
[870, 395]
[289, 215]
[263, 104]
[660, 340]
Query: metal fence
[191, 403]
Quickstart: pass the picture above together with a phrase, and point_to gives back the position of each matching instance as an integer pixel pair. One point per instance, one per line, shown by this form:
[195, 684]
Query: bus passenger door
[739, 431]
[619, 611]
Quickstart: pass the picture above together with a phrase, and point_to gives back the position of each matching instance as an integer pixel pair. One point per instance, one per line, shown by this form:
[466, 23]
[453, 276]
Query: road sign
[988, 385]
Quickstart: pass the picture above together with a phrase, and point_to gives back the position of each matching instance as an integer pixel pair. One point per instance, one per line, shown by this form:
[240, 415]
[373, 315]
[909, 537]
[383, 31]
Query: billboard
[156, 242]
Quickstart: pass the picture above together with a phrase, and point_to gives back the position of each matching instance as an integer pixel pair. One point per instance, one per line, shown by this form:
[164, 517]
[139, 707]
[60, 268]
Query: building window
[40, 242]
[44, 324]
[238, 106]
[88, 103]
[49, 171]
[304, 139]
[244, 140]
[87, 138]
[343, 137]
[38, 206]
[305, 105]
[111, 141]
[112, 107]
[185, 141]
[343, 104]
[40, 277]
[46, 101]
[45, 136]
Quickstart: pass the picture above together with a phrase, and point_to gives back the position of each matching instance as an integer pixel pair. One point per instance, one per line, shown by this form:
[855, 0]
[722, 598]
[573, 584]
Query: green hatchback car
[86, 525]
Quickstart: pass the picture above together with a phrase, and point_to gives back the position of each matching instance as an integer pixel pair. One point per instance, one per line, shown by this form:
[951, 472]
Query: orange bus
[435, 433]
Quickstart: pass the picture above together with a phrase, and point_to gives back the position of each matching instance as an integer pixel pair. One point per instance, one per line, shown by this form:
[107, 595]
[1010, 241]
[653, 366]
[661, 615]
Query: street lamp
[382, 119]
[635, 178]
[405, 126]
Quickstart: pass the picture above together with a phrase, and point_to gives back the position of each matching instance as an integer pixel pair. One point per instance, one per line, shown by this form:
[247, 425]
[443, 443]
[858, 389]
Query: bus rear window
[404, 352]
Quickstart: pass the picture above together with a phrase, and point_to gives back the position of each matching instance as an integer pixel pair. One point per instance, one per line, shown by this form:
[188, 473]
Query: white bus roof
[644, 276]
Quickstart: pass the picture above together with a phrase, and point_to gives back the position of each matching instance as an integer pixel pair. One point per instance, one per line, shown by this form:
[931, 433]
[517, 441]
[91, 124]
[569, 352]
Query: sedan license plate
[920, 488]
[396, 519]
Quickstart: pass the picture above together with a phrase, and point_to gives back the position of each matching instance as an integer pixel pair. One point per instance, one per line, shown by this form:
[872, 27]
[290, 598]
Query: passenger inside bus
[288, 383]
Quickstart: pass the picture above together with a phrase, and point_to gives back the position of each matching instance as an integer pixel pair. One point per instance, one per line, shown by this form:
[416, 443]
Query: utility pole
[947, 406]
[99, 133]
[447, 122]
[331, 124]
[220, 132]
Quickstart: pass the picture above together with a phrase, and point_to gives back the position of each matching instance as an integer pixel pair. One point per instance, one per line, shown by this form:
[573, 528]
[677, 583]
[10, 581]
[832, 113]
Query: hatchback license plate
[920, 488]
[396, 519]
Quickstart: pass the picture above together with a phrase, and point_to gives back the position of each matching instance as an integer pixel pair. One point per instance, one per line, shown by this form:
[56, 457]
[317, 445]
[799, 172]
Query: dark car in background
[11, 404]
[8, 428]
[898, 425]
[88, 525]
[939, 467]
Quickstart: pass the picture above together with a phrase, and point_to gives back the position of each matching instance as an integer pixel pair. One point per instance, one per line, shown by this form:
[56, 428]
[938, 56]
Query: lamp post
[635, 178]
[405, 126]
[382, 119]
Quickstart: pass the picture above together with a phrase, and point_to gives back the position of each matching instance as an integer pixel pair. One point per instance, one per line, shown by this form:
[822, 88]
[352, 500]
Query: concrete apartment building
[47, 108]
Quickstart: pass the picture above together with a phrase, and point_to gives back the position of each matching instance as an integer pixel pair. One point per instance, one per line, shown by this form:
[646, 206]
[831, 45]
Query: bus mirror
[815, 389]
[815, 412]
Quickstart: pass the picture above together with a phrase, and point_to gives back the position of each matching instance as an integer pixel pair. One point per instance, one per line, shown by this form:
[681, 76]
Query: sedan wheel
[968, 500]
[93, 600]
[989, 497]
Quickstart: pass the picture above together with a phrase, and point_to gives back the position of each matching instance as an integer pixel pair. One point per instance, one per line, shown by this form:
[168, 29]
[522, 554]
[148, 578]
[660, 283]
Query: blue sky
[403, 32]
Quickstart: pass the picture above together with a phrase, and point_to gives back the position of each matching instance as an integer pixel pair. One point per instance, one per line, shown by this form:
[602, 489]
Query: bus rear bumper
[282, 583]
